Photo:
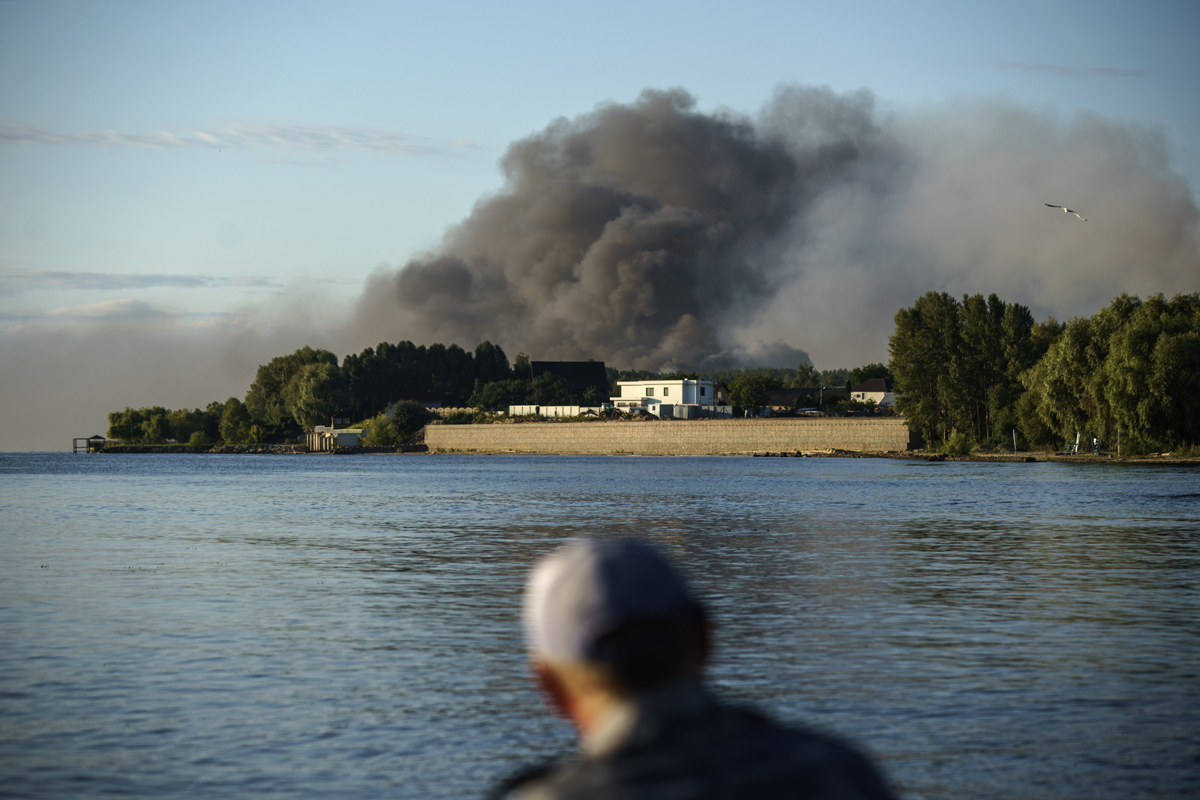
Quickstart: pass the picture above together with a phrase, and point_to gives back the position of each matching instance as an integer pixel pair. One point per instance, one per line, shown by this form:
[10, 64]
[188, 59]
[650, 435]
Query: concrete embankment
[675, 437]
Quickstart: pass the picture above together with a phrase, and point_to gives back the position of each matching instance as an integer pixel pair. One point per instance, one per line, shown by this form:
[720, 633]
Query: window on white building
[703, 391]
[666, 391]
[649, 391]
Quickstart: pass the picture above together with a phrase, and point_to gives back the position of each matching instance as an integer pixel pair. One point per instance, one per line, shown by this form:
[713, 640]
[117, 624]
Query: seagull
[1066, 210]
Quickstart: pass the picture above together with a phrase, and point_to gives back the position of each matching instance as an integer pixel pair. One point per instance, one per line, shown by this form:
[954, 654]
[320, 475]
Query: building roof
[872, 385]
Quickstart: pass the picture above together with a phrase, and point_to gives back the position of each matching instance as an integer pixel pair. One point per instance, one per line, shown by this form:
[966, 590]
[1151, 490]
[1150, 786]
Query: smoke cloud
[656, 236]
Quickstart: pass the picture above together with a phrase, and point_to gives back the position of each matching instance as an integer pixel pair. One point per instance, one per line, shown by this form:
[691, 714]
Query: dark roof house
[872, 385]
[786, 398]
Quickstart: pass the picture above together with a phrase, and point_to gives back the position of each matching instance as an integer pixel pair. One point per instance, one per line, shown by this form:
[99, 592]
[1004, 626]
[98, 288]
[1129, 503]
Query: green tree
[198, 441]
[1152, 373]
[1070, 382]
[183, 423]
[835, 377]
[235, 422]
[500, 395]
[212, 419]
[551, 390]
[979, 363]
[314, 394]
[806, 375]
[394, 426]
[491, 364]
[126, 425]
[256, 435]
[267, 398]
[865, 373]
[378, 431]
[749, 390]
[924, 352]
[155, 429]
[407, 418]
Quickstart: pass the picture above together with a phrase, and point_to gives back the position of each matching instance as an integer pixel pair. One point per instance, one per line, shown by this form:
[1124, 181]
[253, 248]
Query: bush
[198, 441]
[378, 432]
[959, 444]
[393, 427]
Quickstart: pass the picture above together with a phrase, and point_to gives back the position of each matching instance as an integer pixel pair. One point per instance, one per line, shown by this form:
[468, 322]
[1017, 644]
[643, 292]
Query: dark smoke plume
[652, 235]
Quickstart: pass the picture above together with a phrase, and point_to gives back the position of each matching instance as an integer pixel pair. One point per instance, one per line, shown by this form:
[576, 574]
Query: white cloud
[14, 280]
[243, 135]
[123, 310]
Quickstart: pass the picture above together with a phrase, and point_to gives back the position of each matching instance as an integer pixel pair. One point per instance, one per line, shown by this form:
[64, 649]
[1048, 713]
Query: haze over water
[209, 626]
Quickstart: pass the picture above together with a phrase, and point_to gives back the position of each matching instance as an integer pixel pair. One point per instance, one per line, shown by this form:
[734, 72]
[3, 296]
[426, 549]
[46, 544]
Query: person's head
[608, 619]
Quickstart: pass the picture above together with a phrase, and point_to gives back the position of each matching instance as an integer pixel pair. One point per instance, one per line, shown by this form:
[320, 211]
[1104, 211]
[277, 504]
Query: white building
[324, 438]
[874, 389]
[651, 394]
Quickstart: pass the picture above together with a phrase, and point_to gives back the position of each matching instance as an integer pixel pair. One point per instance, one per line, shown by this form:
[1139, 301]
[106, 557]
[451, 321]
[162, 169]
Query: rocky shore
[255, 449]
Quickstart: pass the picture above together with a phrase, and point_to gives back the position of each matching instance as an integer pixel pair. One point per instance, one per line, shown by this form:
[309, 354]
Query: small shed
[92, 444]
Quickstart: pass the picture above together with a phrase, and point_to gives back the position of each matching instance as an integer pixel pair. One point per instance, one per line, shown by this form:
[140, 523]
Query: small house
[874, 389]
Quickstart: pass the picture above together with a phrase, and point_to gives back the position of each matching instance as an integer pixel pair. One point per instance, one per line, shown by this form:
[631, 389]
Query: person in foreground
[617, 642]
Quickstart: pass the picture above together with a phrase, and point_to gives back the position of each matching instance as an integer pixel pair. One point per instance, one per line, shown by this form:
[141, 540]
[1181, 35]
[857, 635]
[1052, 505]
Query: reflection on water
[347, 626]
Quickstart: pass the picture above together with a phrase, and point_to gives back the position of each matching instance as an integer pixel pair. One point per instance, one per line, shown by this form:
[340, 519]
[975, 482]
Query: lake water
[325, 626]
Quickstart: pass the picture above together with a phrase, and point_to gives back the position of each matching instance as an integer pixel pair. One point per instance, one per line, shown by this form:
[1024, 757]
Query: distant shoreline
[909, 455]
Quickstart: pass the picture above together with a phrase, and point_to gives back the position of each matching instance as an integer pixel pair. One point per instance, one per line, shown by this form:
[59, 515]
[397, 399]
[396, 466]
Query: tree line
[982, 369]
[977, 369]
[293, 393]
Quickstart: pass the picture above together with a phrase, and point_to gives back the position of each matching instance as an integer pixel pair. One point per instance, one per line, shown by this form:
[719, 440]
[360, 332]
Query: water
[279, 626]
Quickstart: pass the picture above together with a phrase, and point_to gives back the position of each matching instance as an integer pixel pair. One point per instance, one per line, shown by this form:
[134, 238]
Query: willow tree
[315, 394]
[267, 398]
[1069, 382]
[1152, 373]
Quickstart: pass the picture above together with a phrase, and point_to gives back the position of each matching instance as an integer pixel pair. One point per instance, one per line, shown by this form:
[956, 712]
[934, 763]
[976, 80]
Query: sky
[189, 190]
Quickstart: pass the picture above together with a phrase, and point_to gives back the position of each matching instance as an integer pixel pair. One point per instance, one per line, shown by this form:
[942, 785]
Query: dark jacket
[681, 743]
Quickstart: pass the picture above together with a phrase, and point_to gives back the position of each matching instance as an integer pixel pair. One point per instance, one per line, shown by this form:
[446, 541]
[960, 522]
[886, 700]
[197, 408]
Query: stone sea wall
[676, 437]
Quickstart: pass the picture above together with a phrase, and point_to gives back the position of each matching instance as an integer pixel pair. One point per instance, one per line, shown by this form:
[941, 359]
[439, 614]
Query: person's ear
[552, 687]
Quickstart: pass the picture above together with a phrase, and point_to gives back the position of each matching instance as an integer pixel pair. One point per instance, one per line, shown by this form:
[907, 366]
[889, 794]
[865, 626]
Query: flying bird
[1066, 210]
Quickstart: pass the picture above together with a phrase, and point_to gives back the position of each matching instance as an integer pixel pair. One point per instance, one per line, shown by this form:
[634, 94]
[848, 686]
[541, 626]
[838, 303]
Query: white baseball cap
[589, 588]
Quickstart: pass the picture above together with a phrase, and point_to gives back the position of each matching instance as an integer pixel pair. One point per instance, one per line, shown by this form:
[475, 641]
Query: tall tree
[183, 423]
[125, 425]
[806, 375]
[865, 373]
[491, 364]
[925, 350]
[980, 361]
[749, 390]
[315, 394]
[235, 422]
[1153, 373]
[266, 400]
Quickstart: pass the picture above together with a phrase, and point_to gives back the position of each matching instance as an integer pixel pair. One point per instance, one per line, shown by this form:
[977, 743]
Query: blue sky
[190, 162]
